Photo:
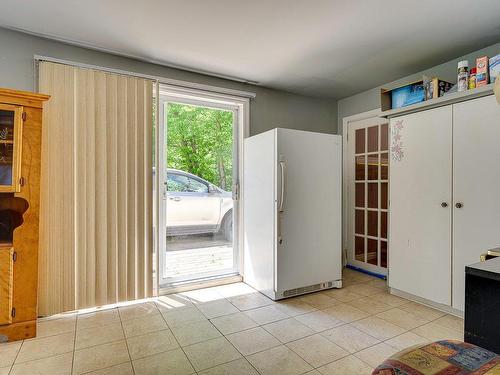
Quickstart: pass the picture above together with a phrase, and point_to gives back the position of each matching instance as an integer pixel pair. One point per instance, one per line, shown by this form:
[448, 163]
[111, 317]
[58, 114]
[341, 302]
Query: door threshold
[368, 272]
[199, 284]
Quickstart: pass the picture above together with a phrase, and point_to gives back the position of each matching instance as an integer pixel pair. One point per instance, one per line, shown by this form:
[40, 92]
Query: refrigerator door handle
[282, 198]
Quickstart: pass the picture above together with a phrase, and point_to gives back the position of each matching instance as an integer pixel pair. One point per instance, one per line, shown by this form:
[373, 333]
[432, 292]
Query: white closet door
[476, 182]
[420, 185]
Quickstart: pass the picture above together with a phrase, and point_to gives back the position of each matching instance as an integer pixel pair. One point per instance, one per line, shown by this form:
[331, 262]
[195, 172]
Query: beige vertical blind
[96, 192]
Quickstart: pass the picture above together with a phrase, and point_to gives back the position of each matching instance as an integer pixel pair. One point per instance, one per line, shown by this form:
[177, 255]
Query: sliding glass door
[198, 172]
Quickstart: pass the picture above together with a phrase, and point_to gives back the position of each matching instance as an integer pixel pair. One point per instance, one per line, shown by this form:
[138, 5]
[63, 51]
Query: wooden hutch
[20, 147]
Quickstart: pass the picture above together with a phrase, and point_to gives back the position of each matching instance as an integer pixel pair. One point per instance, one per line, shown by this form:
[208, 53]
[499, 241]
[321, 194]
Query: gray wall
[270, 109]
[370, 99]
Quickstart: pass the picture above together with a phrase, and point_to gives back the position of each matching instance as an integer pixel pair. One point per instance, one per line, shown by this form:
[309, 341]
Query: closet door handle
[459, 205]
[444, 204]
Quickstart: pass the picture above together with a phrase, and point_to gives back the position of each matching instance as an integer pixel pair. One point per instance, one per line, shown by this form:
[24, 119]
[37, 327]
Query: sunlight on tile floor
[234, 330]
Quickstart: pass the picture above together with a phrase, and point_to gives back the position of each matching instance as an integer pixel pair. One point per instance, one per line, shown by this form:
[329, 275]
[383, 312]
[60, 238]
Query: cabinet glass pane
[6, 160]
[6, 146]
[6, 125]
[373, 195]
[359, 227]
[384, 137]
[383, 254]
[383, 224]
[372, 254]
[384, 166]
[359, 248]
[384, 195]
[360, 141]
[372, 139]
[373, 167]
[360, 167]
[360, 194]
[373, 223]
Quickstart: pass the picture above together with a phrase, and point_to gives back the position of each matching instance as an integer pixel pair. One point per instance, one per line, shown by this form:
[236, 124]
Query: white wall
[270, 109]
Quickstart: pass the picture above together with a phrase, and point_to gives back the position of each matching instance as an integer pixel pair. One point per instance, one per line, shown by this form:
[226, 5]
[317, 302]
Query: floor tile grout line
[148, 356]
[99, 325]
[261, 325]
[178, 343]
[42, 358]
[15, 358]
[74, 346]
[248, 329]
[310, 364]
[52, 335]
[384, 341]
[107, 367]
[315, 333]
[380, 341]
[125, 338]
[235, 348]
[284, 344]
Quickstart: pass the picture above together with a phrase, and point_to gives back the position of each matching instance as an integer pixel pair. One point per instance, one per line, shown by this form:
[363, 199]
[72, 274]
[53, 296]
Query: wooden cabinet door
[476, 182]
[420, 204]
[6, 273]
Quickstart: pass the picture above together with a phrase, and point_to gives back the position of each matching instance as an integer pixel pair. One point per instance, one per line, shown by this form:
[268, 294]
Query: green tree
[200, 141]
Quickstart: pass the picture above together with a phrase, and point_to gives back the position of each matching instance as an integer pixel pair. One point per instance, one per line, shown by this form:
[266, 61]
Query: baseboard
[18, 331]
[438, 306]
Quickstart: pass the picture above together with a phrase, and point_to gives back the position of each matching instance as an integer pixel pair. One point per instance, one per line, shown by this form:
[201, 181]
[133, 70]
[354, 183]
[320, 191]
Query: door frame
[346, 180]
[240, 108]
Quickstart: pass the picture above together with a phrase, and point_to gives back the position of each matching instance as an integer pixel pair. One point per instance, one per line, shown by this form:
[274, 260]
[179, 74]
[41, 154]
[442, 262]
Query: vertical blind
[96, 192]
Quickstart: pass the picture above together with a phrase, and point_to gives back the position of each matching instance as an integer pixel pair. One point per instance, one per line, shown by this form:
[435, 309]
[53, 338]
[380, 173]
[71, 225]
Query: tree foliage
[200, 141]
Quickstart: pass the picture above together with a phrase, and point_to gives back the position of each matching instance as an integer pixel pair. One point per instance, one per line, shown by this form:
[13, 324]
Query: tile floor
[234, 330]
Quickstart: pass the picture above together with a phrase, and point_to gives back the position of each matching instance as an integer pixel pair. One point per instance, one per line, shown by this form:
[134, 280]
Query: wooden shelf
[456, 97]
[7, 141]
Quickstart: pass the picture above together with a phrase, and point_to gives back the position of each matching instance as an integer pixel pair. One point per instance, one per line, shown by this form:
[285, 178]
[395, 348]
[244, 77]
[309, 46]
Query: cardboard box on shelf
[412, 93]
[435, 88]
[494, 67]
[402, 96]
[482, 72]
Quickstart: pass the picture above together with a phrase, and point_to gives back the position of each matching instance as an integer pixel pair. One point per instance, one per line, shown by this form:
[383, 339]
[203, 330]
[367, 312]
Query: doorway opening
[198, 181]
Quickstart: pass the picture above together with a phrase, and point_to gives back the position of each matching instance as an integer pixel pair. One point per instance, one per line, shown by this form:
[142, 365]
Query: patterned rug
[446, 357]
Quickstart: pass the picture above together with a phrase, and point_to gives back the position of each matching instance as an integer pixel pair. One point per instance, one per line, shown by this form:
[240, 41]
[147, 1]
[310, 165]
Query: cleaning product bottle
[472, 78]
[463, 75]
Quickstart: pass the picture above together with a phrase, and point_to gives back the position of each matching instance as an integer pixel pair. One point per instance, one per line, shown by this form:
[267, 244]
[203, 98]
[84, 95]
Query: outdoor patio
[197, 255]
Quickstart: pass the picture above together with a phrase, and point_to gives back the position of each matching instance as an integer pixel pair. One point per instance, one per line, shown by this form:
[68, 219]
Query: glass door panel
[360, 194]
[200, 175]
[10, 147]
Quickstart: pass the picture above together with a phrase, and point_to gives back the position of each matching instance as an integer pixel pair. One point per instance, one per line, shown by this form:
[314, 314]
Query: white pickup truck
[196, 206]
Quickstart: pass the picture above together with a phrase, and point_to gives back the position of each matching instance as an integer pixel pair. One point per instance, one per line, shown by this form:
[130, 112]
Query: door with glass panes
[367, 194]
[10, 147]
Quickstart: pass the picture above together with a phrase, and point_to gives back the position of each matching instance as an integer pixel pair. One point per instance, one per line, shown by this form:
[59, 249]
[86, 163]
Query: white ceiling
[330, 48]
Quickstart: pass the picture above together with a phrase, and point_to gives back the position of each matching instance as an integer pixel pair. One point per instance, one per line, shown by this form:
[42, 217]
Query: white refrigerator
[292, 202]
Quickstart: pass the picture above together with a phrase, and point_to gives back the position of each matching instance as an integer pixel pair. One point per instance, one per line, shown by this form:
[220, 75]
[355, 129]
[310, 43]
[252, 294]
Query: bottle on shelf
[463, 75]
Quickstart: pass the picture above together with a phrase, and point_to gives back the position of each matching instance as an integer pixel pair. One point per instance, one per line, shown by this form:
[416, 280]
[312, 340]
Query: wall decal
[397, 151]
